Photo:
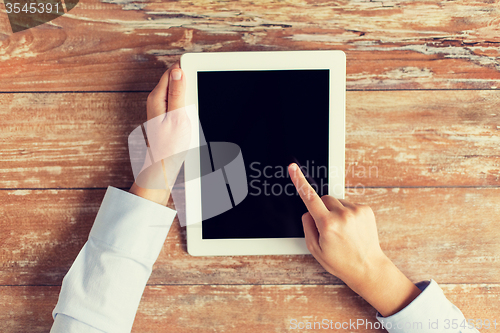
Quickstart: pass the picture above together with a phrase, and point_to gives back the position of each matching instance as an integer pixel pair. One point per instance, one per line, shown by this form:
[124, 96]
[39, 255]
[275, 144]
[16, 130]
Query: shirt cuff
[429, 312]
[134, 226]
[65, 324]
[104, 285]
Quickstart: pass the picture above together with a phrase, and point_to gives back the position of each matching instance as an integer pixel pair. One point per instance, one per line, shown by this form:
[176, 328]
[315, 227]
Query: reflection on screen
[276, 117]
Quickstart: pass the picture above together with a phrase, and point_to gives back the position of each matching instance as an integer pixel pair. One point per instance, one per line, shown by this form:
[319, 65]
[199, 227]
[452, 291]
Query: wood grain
[122, 45]
[426, 160]
[45, 138]
[448, 234]
[242, 308]
[393, 138]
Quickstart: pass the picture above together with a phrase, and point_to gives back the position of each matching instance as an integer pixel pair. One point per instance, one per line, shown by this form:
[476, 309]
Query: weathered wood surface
[393, 138]
[115, 50]
[123, 45]
[241, 308]
[448, 234]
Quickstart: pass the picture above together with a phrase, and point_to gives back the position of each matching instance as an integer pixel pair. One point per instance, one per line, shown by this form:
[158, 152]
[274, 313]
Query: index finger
[311, 199]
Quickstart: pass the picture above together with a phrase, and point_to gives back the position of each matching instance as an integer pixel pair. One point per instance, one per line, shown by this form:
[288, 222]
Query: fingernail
[175, 74]
[293, 166]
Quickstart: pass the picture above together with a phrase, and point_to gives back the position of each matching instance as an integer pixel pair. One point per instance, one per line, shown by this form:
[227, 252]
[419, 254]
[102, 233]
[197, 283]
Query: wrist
[370, 274]
[385, 287]
[156, 195]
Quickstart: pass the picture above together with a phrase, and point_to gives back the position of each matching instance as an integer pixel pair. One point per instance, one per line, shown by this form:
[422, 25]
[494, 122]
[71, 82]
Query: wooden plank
[448, 234]
[433, 138]
[241, 308]
[394, 138]
[123, 45]
[46, 138]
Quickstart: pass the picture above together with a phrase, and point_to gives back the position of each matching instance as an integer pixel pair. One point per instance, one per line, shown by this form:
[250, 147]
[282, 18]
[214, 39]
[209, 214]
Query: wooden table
[422, 149]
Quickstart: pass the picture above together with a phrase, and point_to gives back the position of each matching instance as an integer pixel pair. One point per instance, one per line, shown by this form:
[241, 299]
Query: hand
[343, 237]
[169, 134]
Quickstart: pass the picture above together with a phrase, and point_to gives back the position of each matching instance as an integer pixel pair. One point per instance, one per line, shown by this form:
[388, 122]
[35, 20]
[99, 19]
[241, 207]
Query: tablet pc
[276, 108]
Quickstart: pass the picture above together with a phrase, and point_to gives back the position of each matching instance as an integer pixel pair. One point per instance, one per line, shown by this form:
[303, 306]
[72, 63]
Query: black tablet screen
[276, 117]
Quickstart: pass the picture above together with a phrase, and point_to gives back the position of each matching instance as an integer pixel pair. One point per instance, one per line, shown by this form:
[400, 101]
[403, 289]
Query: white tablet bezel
[333, 60]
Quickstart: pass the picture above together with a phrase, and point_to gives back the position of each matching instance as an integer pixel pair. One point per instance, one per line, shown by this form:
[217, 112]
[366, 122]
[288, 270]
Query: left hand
[169, 134]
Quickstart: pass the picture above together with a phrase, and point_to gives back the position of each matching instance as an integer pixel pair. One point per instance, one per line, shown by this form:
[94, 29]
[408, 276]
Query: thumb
[176, 90]
[311, 233]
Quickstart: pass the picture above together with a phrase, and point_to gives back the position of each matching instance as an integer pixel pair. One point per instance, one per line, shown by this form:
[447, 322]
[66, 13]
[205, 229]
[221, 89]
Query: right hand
[341, 235]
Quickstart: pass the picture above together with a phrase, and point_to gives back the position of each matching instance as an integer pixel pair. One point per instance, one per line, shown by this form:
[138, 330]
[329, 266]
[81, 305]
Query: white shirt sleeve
[430, 312]
[102, 290]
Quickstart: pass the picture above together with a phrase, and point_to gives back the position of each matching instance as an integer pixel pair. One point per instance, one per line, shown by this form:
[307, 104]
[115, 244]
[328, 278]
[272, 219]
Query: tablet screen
[276, 117]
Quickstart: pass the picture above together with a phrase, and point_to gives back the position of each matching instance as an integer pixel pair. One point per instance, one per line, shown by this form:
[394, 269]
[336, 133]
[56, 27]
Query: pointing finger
[313, 202]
